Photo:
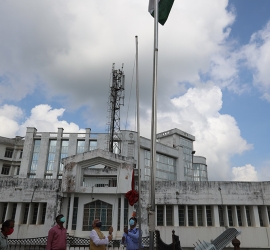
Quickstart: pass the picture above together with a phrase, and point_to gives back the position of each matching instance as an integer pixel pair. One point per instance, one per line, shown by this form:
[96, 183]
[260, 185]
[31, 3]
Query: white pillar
[216, 222]
[186, 216]
[235, 216]
[175, 216]
[255, 221]
[122, 223]
[71, 205]
[265, 216]
[18, 215]
[204, 216]
[244, 216]
[195, 216]
[225, 216]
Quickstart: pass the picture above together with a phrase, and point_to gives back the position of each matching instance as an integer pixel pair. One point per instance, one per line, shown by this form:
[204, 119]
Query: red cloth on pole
[132, 195]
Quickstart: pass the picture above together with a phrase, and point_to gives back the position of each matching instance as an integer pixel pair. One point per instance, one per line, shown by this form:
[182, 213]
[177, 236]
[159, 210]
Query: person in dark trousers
[131, 236]
[7, 229]
[57, 236]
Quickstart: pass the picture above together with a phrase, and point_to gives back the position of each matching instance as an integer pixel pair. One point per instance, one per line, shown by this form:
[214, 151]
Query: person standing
[7, 229]
[97, 239]
[131, 236]
[57, 236]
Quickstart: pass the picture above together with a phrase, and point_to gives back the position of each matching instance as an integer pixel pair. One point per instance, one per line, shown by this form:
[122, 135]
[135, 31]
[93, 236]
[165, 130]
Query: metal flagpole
[138, 146]
[152, 217]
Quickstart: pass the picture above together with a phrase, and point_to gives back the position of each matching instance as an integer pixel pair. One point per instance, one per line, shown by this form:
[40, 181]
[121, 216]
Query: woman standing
[7, 229]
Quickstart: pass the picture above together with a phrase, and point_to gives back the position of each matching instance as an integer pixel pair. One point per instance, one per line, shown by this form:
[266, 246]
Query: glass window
[5, 170]
[169, 215]
[248, 216]
[75, 213]
[190, 216]
[43, 216]
[200, 215]
[25, 213]
[97, 210]
[14, 208]
[92, 145]
[230, 216]
[221, 217]
[9, 152]
[51, 157]
[160, 215]
[35, 213]
[34, 163]
[260, 215]
[80, 147]
[209, 216]
[64, 154]
[238, 209]
[181, 215]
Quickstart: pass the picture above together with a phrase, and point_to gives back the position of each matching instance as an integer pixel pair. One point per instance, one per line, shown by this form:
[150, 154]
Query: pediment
[98, 156]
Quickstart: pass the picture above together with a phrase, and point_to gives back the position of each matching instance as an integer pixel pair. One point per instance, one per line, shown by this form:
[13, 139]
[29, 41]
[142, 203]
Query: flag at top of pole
[164, 8]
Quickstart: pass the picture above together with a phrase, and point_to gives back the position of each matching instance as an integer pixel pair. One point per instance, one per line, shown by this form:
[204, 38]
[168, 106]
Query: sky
[213, 73]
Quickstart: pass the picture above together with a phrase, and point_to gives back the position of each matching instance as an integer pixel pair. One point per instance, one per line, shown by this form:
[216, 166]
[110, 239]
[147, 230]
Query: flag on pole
[164, 8]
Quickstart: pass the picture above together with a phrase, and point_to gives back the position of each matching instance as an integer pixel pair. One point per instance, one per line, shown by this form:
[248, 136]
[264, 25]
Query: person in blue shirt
[131, 236]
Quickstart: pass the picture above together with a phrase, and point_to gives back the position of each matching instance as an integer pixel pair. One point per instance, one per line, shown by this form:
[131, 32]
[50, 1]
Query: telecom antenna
[116, 99]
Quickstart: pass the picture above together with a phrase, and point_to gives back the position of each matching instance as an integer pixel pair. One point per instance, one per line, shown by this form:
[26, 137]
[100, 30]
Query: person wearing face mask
[131, 236]
[7, 229]
[57, 236]
[97, 239]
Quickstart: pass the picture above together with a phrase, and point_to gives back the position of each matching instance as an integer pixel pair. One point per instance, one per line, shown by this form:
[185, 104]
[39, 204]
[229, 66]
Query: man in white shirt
[97, 239]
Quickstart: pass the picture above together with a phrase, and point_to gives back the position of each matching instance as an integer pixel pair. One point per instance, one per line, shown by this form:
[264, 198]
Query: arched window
[97, 210]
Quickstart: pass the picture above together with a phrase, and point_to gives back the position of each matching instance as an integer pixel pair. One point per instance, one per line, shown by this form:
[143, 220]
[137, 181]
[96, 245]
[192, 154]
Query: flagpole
[152, 217]
[138, 146]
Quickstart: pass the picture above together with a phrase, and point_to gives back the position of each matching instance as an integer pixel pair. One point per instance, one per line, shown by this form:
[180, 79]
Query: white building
[90, 182]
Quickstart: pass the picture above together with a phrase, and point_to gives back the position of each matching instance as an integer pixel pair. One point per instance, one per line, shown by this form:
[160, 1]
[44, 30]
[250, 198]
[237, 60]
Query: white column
[122, 213]
[175, 216]
[195, 216]
[216, 222]
[39, 214]
[244, 216]
[265, 216]
[71, 205]
[30, 213]
[164, 216]
[235, 217]
[18, 215]
[255, 221]
[186, 216]
[9, 211]
[225, 216]
[43, 155]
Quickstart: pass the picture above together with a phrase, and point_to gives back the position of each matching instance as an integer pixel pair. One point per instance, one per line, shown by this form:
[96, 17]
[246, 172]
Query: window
[21, 153]
[190, 216]
[238, 210]
[43, 215]
[14, 208]
[34, 164]
[126, 205]
[4, 211]
[17, 170]
[35, 213]
[268, 212]
[181, 215]
[97, 210]
[200, 215]
[75, 213]
[9, 152]
[92, 145]
[209, 216]
[25, 213]
[169, 215]
[221, 217]
[64, 154]
[80, 147]
[166, 167]
[119, 214]
[51, 158]
[248, 216]
[5, 170]
[260, 215]
[230, 217]
[160, 215]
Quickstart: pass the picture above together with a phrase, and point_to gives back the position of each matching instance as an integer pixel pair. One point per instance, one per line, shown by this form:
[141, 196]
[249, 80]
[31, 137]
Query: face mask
[10, 231]
[63, 219]
[98, 224]
[131, 222]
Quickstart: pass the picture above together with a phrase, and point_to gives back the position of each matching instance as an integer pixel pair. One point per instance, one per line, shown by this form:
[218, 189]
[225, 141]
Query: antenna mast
[116, 99]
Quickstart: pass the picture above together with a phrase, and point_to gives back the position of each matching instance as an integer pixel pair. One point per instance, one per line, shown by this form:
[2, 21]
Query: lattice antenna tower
[116, 99]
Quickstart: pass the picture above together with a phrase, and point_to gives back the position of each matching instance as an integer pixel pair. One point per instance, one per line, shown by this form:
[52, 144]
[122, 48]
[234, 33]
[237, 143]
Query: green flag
[164, 8]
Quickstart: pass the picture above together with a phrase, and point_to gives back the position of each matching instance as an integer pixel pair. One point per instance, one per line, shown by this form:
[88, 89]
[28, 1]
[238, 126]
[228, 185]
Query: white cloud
[217, 135]
[245, 173]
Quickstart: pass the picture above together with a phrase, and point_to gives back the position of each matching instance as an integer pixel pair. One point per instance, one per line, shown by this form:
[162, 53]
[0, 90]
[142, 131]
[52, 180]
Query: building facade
[47, 173]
